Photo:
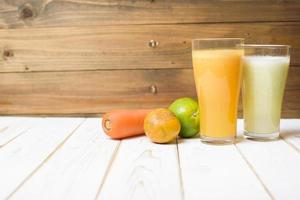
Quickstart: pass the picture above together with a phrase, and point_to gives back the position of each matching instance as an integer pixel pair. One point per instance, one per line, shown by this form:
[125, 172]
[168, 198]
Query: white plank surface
[76, 170]
[143, 170]
[27, 152]
[6, 121]
[290, 132]
[216, 172]
[16, 128]
[276, 163]
[55, 158]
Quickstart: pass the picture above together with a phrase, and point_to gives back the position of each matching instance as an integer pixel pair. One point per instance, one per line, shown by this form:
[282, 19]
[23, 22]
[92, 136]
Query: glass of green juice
[265, 73]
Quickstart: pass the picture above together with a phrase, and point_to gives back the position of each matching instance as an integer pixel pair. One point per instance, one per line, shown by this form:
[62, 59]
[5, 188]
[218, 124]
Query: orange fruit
[161, 126]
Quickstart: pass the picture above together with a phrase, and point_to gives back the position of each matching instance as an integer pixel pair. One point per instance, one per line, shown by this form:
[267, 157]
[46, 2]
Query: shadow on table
[290, 133]
[242, 138]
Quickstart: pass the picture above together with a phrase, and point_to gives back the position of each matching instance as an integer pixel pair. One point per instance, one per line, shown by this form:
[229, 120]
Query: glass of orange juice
[217, 64]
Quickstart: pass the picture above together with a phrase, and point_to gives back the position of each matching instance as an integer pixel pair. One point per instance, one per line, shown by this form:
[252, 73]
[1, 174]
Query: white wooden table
[71, 158]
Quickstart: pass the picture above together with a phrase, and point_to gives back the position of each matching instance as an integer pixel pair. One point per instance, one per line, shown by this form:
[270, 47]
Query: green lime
[187, 111]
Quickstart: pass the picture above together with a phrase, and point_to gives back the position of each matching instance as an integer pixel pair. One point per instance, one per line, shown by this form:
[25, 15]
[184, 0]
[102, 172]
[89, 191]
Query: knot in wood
[153, 43]
[153, 89]
[8, 53]
[26, 12]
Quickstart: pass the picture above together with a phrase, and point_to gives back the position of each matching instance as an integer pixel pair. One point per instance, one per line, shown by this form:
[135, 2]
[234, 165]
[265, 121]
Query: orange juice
[217, 74]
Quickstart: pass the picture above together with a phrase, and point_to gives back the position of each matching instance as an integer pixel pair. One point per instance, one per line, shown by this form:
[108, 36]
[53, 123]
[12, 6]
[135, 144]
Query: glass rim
[216, 39]
[267, 46]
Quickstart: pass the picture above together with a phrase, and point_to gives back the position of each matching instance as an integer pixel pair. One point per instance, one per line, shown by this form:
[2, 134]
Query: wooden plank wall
[81, 57]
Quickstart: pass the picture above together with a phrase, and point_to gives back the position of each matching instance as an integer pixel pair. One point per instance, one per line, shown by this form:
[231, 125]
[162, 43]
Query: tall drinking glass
[217, 64]
[265, 73]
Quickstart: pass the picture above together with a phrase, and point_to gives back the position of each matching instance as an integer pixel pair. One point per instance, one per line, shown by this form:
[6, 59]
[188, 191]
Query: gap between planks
[45, 160]
[15, 137]
[283, 123]
[290, 144]
[113, 162]
[108, 169]
[116, 151]
[180, 171]
[94, 70]
[253, 171]
[167, 24]
[105, 69]
[290, 131]
[12, 128]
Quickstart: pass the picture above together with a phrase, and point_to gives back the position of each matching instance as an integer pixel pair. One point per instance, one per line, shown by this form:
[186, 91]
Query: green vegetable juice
[263, 89]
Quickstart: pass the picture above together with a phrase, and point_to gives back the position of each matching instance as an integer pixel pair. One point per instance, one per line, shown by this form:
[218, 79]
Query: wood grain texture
[277, 165]
[100, 91]
[91, 91]
[19, 159]
[98, 39]
[16, 129]
[143, 170]
[126, 47]
[55, 161]
[215, 172]
[47, 13]
[78, 168]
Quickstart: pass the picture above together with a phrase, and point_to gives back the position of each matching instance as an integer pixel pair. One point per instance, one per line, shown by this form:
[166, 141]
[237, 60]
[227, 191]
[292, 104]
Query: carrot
[120, 124]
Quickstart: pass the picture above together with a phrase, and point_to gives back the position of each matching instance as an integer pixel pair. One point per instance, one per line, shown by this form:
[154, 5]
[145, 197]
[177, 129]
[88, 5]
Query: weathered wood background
[78, 57]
